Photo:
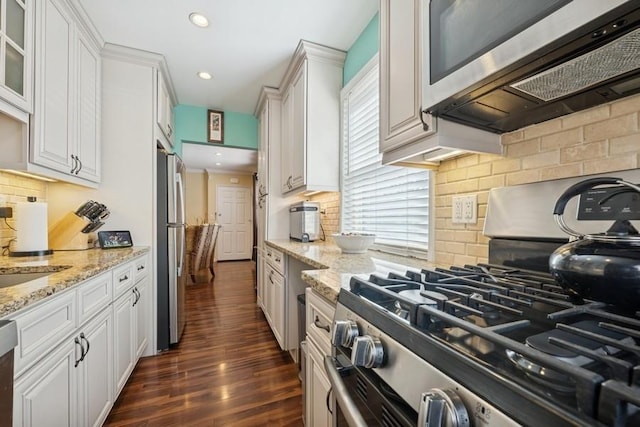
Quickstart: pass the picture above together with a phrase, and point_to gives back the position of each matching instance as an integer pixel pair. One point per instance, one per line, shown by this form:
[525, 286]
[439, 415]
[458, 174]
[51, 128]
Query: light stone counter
[82, 265]
[336, 269]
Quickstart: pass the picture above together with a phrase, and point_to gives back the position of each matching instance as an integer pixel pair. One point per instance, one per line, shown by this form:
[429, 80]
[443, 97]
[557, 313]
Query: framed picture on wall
[215, 128]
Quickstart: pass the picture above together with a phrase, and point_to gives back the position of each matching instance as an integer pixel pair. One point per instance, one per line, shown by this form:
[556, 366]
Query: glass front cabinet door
[16, 51]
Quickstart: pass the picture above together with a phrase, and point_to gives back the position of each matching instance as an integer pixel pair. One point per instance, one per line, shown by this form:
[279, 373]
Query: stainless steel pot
[605, 266]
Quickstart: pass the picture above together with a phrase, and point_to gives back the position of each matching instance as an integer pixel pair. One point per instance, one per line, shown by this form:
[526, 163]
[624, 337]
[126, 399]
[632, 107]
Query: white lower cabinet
[131, 312]
[77, 349]
[73, 385]
[47, 395]
[142, 315]
[274, 302]
[123, 321]
[96, 370]
[317, 389]
[319, 403]
[260, 282]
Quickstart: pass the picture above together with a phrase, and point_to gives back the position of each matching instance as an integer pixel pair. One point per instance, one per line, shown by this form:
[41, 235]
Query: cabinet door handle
[317, 323]
[140, 267]
[123, 278]
[425, 126]
[80, 165]
[170, 130]
[75, 164]
[77, 341]
[278, 259]
[84, 353]
[137, 294]
[271, 277]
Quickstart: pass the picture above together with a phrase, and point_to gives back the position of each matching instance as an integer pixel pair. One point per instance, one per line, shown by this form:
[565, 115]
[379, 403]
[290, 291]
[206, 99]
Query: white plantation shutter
[390, 201]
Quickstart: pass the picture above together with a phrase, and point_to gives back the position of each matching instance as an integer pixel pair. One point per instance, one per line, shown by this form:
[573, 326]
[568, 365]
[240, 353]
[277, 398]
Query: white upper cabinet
[164, 109]
[401, 118]
[407, 135]
[66, 122]
[311, 119]
[16, 53]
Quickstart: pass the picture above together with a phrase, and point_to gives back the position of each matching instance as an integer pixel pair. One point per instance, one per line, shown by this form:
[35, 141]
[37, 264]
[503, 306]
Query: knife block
[66, 235]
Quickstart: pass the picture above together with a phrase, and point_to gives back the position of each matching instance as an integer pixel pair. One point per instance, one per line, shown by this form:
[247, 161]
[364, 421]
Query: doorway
[234, 212]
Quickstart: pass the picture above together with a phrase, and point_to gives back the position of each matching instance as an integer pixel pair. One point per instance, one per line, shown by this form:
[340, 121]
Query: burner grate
[488, 313]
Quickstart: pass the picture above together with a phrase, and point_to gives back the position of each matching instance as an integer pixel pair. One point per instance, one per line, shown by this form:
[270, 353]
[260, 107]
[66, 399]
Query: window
[390, 201]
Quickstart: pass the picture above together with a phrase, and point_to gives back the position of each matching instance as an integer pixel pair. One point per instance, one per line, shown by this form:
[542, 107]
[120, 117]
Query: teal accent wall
[240, 130]
[362, 50]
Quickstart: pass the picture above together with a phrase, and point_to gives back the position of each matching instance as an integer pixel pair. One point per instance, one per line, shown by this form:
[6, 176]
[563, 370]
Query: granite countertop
[82, 265]
[335, 269]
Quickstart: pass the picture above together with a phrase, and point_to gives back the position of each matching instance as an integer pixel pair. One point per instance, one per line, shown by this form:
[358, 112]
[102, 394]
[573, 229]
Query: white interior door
[234, 210]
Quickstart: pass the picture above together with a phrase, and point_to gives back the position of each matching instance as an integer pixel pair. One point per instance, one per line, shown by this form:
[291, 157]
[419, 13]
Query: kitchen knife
[82, 210]
[92, 227]
[92, 213]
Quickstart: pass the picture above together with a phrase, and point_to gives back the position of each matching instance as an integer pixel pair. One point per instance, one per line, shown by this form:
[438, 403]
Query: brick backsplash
[599, 140]
[16, 189]
[330, 219]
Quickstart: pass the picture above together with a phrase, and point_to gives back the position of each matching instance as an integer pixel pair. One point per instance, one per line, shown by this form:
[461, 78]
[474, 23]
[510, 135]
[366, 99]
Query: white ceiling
[199, 157]
[247, 45]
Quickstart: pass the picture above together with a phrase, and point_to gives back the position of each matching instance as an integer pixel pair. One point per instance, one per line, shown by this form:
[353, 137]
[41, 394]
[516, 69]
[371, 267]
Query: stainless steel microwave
[500, 65]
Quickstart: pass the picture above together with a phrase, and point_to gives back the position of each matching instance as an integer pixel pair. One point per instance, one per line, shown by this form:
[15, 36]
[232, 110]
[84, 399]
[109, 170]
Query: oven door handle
[348, 407]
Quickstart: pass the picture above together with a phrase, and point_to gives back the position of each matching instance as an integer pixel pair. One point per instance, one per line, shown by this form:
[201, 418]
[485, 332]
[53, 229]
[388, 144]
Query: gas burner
[558, 343]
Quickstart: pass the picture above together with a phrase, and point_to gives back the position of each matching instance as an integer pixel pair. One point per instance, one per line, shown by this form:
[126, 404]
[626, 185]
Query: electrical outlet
[464, 209]
[470, 209]
[457, 209]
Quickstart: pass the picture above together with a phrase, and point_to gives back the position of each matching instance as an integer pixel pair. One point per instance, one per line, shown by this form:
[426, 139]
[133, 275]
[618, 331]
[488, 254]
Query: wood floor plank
[226, 371]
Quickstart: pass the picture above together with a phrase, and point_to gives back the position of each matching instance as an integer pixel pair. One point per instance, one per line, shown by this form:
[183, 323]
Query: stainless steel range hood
[593, 65]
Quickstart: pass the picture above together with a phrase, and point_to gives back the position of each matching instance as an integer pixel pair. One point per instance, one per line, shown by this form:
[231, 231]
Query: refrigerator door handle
[180, 191]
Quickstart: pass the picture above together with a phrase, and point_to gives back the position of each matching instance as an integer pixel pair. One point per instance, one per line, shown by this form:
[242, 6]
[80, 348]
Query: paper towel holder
[39, 252]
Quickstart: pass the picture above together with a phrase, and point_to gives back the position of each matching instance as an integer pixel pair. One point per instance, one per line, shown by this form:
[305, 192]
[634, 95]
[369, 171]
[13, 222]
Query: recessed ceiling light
[218, 164]
[198, 20]
[204, 75]
[218, 154]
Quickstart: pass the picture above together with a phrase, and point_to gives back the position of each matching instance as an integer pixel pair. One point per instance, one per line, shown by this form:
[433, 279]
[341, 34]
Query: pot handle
[579, 188]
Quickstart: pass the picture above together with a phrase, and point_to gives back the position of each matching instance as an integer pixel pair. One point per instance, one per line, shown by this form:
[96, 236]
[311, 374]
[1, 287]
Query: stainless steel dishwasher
[8, 340]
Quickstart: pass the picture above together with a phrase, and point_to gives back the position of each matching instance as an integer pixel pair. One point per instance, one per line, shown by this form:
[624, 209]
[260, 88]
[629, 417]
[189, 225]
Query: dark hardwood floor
[226, 371]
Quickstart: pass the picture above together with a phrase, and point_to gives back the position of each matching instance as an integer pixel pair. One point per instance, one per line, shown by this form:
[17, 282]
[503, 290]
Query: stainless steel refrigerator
[171, 249]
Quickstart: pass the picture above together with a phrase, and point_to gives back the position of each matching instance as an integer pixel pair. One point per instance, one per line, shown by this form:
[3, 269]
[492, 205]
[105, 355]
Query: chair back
[215, 230]
[202, 239]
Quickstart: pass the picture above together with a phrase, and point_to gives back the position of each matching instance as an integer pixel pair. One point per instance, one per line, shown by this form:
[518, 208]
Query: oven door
[363, 399]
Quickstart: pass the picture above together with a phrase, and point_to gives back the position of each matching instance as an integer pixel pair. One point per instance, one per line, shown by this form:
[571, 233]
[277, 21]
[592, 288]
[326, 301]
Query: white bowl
[354, 243]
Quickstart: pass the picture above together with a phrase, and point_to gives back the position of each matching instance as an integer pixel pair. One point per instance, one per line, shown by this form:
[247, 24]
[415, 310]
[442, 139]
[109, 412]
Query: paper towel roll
[31, 227]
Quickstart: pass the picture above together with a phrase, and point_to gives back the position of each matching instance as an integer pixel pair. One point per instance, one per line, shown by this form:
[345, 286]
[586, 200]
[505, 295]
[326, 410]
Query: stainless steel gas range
[495, 344]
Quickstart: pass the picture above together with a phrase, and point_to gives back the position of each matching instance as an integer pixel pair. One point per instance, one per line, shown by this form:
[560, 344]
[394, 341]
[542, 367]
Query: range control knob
[344, 332]
[442, 408]
[367, 352]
